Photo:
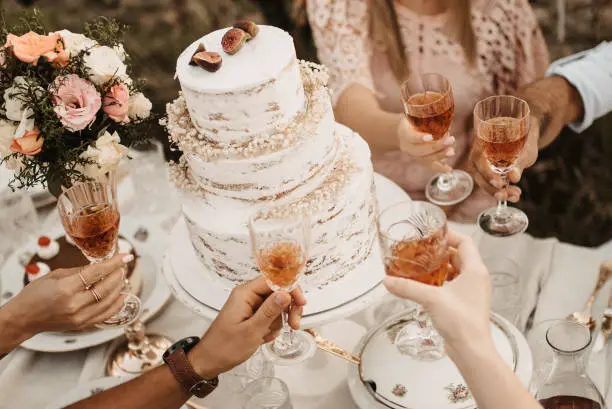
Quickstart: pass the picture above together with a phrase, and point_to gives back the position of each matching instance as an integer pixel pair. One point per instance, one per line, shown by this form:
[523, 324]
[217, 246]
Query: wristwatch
[192, 383]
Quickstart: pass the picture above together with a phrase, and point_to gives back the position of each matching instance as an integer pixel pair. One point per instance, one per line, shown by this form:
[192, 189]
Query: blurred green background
[567, 194]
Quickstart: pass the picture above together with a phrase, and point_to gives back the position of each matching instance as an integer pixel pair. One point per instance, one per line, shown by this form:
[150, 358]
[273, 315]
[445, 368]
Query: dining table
[556, 280]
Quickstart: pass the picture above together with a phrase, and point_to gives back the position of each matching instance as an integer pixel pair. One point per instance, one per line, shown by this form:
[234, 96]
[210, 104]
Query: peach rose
[29, 144]
[76, 101]
[31, 46]
[115, 103]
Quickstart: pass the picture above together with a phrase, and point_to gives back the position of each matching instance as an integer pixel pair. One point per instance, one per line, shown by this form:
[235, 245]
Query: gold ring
[87, 286]
[95, 294]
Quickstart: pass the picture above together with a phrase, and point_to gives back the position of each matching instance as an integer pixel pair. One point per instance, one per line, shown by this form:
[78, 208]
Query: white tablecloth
[557, 279]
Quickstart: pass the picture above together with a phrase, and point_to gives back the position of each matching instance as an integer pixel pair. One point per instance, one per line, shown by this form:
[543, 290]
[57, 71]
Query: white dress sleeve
[590, 72]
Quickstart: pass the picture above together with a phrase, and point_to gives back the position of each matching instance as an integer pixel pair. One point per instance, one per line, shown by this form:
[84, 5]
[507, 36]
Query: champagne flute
[280, 245]
[501, 124]
[413, 238]
[429, 106]
[90, 217]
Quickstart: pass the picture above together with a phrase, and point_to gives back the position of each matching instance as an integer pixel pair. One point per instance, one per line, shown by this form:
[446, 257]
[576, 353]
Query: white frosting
[124, 246]
[48, 252]
[269, 175]
[255, 91]
[44, 270]
[342, 234]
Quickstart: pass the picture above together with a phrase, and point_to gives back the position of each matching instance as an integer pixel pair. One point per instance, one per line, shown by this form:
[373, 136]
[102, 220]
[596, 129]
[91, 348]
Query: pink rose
[116, 103]
[31, 46]
[29, 144]
[76, 101]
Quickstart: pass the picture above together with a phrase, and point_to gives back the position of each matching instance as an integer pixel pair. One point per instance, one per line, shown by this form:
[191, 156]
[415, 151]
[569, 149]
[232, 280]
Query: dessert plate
[388, 379]
[87, 389]
[205, 293]
[154, 295]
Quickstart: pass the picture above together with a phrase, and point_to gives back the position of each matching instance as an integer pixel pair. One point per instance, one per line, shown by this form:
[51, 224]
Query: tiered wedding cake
[260, 131]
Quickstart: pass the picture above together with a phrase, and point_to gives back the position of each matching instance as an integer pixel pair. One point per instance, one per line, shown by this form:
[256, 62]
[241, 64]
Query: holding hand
[460, 309]
[250, 317]
[421, 146]
[491, 181]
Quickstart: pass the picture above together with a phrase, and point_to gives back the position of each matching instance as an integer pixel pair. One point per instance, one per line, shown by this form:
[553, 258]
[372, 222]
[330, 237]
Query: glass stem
[286, 335]
[424, 322]
[502, 205]
[446, 181]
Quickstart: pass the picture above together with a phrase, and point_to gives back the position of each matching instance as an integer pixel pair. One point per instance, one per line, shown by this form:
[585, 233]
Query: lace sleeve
[340, 31]
[532, 53]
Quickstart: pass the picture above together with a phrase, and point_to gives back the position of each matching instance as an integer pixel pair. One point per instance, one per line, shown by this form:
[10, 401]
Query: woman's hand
[250, 317]
[460, 309]
[421, 146]
[59, 301]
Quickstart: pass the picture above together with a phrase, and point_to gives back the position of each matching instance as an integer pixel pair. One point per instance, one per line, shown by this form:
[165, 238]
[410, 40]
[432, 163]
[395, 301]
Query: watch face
[186, 344]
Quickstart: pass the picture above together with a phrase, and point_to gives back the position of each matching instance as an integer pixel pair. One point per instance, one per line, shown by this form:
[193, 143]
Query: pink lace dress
[511, 53]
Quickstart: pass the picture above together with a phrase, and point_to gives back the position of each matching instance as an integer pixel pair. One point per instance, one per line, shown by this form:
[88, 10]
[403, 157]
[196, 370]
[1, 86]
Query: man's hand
[492, 182]
[250, 317]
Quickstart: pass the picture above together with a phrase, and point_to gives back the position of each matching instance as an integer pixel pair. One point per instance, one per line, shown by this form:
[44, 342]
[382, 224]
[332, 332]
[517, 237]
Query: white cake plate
[154, 295]
[205, 293]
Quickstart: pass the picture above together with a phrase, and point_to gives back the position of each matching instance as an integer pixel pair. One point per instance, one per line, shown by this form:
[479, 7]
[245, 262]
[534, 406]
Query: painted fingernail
[127, 259]
[449, 140]
[278, 298]
[450, 152]
[427, 138]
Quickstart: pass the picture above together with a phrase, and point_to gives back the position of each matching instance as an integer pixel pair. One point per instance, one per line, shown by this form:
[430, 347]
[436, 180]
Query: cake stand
[205, 293]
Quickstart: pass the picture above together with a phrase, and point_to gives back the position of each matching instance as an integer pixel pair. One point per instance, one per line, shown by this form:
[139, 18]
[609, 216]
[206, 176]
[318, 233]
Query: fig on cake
[47, 248]
[247, 26]
[37, 270]
[208, 60]
[200, 49]
[233, 40]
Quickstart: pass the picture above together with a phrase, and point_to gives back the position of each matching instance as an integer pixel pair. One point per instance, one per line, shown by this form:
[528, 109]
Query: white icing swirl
[43, 268]
[48, 252]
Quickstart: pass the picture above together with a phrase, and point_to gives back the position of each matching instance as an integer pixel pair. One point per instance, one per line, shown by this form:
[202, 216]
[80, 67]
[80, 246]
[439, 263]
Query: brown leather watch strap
[190, 381]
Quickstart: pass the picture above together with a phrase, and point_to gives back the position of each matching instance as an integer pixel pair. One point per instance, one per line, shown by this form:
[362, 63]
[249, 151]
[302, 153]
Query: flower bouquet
[69, 107]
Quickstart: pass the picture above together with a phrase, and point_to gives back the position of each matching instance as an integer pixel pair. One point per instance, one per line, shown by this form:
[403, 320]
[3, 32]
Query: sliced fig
[247, 26]
[210, 61]
[233, 40]
[198, 50]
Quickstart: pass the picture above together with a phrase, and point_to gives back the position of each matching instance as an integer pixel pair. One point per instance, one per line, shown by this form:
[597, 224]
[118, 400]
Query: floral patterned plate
[388, 379]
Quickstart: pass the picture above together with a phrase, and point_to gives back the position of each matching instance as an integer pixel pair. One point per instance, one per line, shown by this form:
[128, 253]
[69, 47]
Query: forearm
[155, 389]
[490, 379]
[554, 103]
[358, 109]
[13, 328]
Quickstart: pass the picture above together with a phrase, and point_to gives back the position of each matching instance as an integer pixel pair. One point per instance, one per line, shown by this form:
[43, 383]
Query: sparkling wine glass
[501, 125]
[267, 393]
[90, 217]
[413, 238]
[280, 244]
[429, 106]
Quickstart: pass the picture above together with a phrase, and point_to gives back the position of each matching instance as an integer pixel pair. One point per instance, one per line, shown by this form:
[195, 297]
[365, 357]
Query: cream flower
[120, 52]
[13, 104]
[7, 133]
[75, 43]
[104, 63]
[106, 155]
[139, 107]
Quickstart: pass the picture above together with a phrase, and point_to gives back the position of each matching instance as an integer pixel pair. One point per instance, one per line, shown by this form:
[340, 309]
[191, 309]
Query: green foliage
[59, 163]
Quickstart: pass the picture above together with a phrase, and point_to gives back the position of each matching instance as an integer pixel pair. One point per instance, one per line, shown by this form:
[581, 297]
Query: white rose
[139, 106]
[7, 133]
[120, 52]
[106, 155]
[13, 104]
[75, 43]
[104, 64]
